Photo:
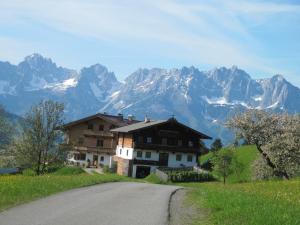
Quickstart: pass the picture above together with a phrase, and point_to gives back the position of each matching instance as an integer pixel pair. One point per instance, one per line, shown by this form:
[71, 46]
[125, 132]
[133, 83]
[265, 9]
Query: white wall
[172, 158]
[174, 163]
[123, 154]
[106, 161]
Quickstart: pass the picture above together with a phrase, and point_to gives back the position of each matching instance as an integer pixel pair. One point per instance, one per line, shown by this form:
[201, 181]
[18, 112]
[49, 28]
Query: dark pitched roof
[143, 125]
[138, 126]
[117, 120]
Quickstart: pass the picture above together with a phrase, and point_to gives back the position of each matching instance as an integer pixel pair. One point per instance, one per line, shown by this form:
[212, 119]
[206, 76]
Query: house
[144, 146]
[92, 143]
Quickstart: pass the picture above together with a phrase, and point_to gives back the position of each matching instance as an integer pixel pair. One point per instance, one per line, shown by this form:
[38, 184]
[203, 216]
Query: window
[149, 139]
[178, 157]
[139, 154]
[80, 141]
[90, 126]
[127, 152]
[102, 158]
[191, 144]
[164, 141]
[101, 127]
[99, 143]
[190, 158]
[120, 151]
[179, 142]
[80, 156]
[148, 155]
[140, 139]
[112, 127]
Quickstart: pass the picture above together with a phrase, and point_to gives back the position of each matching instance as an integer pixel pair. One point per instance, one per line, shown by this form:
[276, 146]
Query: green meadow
[253, 203]
[246, 156]
[17, 189]
[243, 201]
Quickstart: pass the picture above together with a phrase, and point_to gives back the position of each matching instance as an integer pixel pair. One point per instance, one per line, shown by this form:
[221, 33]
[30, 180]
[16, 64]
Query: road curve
[122, 203]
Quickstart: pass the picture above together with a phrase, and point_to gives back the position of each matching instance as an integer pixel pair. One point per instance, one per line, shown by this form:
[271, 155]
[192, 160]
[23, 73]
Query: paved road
[106, 204]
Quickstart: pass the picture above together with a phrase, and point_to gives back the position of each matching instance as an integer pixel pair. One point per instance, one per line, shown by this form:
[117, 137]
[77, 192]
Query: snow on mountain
[202, 99]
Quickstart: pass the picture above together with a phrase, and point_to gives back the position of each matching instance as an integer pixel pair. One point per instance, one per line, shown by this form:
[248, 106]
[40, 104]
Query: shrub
[207, 165]
[186, 175]
[190, 176]
[29, 172]
[68, 170]
[106, 169]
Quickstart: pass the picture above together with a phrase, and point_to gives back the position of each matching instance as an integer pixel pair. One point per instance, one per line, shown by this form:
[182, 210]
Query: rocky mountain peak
[37, 61]
[201, 99]
[97, 73]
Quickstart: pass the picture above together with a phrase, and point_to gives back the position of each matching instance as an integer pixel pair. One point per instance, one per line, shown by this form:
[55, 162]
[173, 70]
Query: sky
[260, 37]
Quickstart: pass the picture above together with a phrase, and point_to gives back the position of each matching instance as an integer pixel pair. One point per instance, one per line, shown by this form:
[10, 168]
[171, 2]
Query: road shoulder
[180, 211]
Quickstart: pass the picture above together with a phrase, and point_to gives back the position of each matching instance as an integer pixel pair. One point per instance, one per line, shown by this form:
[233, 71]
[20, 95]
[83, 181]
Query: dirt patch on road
[181, 213]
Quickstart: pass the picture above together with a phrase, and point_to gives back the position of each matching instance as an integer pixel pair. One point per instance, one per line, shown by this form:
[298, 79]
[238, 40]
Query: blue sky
[261, 37]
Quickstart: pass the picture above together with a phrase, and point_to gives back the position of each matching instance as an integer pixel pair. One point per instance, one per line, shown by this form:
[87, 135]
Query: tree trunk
[282, 174]
[38, 171]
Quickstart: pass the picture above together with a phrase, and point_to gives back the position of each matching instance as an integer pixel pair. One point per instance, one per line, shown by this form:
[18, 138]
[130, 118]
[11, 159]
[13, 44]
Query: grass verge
[17, 189]
[270, 202]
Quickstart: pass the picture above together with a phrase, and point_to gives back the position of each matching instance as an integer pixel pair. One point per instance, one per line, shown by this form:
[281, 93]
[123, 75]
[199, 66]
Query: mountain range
[201, 99]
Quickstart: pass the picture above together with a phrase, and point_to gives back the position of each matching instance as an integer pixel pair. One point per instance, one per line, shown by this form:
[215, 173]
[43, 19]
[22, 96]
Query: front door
[95, 160]
[163, 159]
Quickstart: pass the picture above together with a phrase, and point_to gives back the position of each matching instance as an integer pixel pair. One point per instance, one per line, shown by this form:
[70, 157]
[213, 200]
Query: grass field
[17, 189]
[255, 203]
[249, 203]
[245, 155]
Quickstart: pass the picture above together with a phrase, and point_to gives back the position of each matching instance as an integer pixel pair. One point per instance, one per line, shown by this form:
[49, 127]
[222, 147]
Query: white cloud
[205, 32]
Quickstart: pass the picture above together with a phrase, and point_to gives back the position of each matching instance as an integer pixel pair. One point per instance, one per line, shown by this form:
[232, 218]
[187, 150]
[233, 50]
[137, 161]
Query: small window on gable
[90, 126]
[102, 158]
[191, 144]
[178, 157]
[148, 155]
[120, 151]
[101, 127]
[99, 143]
[190, 158]
[179, 142]
[149, 139]
[164, 141]
[127, 152]
[139, 154]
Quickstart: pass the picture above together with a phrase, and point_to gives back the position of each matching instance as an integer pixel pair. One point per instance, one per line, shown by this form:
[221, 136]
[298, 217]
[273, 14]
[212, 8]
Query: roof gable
[147, 124]
[115, 120]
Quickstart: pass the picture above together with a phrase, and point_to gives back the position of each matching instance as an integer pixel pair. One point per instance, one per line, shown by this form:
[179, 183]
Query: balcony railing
[98, 133]
[173, 148]
[105, 149]
[148, 162]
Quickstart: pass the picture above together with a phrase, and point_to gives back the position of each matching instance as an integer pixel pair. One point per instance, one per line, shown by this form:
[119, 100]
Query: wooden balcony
[92, 133]
[170, 148]
[92, 149]
[146, 162]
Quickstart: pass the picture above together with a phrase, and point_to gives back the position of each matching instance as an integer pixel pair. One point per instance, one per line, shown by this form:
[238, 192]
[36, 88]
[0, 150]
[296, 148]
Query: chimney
[147, 120]
[131, 117]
